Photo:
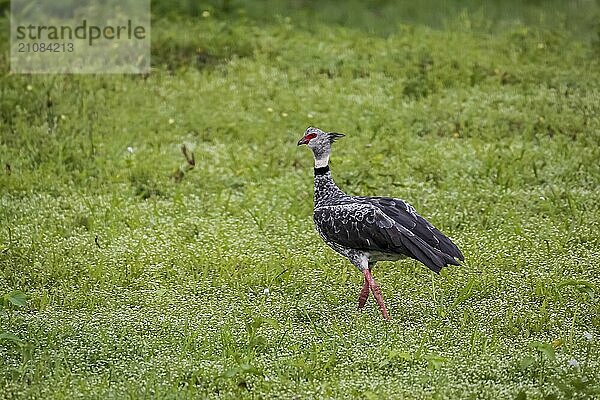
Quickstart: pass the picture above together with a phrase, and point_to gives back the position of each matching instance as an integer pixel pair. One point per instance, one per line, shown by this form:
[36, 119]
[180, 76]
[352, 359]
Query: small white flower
[63, 116]
[171, 121]
[205, 14]
[573, 363]
[269, 109]
[130, 149]
[283, 114]
[266, 291]
[588, 336]
[310, 115]
[29, 87]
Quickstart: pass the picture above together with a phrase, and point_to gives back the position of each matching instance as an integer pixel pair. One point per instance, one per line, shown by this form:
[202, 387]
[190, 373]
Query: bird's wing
[365, 227]
[405, 215]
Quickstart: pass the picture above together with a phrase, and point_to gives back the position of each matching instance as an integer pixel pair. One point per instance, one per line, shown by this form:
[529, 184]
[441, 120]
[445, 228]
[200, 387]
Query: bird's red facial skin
[308, 138]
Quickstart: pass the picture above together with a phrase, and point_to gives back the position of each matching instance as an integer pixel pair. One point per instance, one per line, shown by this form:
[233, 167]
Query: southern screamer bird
[371, 229]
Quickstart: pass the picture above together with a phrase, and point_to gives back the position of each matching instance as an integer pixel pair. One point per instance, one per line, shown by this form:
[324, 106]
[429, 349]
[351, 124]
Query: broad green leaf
[17, 298]
[526, 361]
[9, 337]
[545, 348]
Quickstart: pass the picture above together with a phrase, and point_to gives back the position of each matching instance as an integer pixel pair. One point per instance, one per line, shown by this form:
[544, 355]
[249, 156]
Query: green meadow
[128, 272]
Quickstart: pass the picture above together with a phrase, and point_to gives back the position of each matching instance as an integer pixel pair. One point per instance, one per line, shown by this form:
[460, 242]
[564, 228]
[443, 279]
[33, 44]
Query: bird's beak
[302, 141]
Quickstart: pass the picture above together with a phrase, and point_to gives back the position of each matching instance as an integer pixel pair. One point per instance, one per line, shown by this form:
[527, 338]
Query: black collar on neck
[322, 170]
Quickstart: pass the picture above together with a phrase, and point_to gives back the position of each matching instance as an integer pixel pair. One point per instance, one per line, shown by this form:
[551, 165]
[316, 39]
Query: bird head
[319, 142]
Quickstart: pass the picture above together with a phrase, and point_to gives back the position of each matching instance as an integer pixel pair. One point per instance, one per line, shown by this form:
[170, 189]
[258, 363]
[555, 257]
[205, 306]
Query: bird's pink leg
[376, 292]
[364, 295]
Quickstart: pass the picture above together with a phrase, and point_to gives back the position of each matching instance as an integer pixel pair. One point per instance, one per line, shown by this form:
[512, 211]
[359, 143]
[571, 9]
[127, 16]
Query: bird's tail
[433, 258]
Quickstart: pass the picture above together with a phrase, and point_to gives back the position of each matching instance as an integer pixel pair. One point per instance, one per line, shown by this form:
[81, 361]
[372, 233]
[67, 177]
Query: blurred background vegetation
[577, 18]
[382, 17]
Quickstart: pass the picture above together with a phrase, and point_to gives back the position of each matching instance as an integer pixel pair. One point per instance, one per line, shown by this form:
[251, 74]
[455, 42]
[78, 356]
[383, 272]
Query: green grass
[118, 280]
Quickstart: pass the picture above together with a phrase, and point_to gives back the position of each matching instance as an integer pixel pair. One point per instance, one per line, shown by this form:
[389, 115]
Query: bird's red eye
[310, 136]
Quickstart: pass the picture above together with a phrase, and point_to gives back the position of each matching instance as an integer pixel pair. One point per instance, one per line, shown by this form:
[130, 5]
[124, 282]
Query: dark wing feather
[365, 227]
[405, 215]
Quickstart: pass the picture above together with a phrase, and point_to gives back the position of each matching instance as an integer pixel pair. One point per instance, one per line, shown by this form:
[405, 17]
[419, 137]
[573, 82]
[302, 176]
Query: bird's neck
[322, 161]
[326, 191]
